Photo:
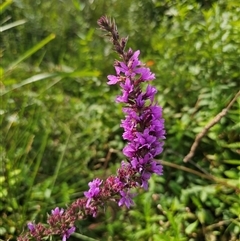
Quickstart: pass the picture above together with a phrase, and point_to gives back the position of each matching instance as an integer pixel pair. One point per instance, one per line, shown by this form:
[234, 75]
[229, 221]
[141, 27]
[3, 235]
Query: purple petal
[126, 199]
[57, 211]
[140, 101]
[31, 226]
[156, 168]
[112, 79]
[68, 233]
[150, 92]
[64, 237]
[145, 73]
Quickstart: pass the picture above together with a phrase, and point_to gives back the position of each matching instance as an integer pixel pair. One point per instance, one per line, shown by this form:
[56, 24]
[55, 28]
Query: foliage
[60, 126]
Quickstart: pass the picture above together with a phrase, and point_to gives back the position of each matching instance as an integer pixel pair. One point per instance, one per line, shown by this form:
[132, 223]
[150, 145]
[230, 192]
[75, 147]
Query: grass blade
[4, 5]
[31, 51]
[12, 25]
[29, 81]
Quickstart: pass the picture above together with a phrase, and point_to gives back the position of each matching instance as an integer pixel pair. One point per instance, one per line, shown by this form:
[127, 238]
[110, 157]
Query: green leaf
[234, 145]
[232, 174]
[12, 25]
[233, 162]
[191, 227]
[4, 5]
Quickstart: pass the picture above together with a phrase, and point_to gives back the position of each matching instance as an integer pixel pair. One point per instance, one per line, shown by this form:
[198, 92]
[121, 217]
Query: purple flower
[156, 149]
[112, 79]
[129, 126]
[143, 125]
[67, 233]
[140, 101]
[144, 178]
[146, 74]
[150, 92]
[144, 139]
[31, 226]
[156, 127]
[140, 162]
[156, 111]
[57, 211]
[131, 113]
[156, 168]
[127, 88]
[126, 199]
[129, 69]
[93, 191]
[130, 149]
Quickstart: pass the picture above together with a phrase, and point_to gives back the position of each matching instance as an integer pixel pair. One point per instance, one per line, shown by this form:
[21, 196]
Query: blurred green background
[60, 124]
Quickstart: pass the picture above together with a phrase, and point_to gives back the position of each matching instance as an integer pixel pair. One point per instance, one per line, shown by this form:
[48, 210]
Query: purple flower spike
[67, 234]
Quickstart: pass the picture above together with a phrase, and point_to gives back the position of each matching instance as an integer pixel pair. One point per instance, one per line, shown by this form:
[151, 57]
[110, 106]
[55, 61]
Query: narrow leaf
[4, 5]
[12, 25]
[29, 81]
[32, 51]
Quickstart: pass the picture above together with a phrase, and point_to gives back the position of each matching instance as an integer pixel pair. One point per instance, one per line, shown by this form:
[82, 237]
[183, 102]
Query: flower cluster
[143, 125]
[144, 132]
[143, 129]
